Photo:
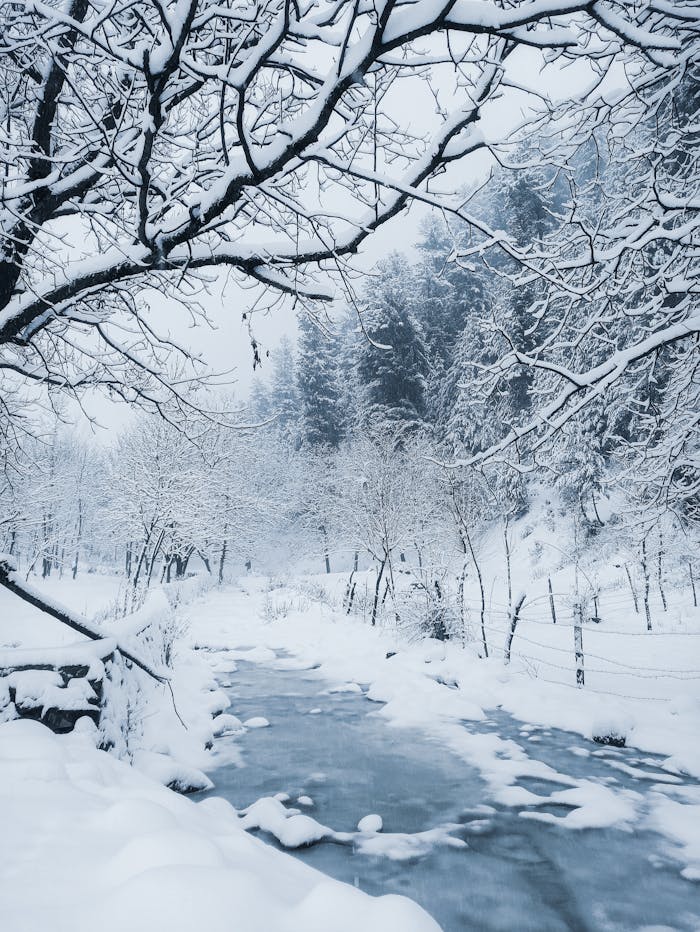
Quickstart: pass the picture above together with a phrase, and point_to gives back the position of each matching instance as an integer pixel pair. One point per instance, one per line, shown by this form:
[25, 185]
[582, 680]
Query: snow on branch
[11, 580]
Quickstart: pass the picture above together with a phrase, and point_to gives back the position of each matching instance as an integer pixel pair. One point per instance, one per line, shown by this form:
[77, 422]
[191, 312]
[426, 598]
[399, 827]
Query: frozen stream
[514, 874]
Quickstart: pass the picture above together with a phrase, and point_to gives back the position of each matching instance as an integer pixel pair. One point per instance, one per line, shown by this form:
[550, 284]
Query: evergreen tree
[523, 204]
[259, 402]
[579, 459]
[284, 394]
[320, 414]
[392, 360]
[447, 299]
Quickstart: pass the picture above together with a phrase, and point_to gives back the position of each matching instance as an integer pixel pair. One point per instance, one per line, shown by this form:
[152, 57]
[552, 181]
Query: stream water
[514, 874]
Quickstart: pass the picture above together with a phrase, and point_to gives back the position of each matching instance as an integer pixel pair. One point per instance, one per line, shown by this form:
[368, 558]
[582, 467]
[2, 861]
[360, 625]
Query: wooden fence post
[578, 643]
[634, 591]
[551, 600]
[660, 571]
[645, 570]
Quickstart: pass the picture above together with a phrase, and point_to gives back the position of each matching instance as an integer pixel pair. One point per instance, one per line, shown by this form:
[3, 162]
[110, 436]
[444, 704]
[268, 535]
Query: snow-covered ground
[437, 686]
[89, 842]
[88, 839]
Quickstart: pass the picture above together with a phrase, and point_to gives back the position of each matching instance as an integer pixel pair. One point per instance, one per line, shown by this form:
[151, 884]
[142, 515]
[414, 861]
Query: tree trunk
[222, 559]
[78, 538]
[508, 573]
[154, 557]
[692, 582]
[181, 563]
[375, 605]
[468, 540]
[659, 571]
[551, 601]
[514, 615]
[634, 591]
[9, 579]
[142, 557]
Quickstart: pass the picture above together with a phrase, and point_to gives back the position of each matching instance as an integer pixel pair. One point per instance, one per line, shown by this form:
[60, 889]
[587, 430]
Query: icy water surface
[515, 875]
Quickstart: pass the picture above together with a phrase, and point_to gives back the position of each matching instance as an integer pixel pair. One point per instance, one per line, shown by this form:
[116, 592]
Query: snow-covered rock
[227, 724]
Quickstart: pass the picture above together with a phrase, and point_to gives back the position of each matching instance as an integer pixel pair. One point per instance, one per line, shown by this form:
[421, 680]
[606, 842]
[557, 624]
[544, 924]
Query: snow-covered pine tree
[259, 401]
[523, 204]
[284, 394]
[580, 460]
[321, 418]
[392, 361]
[447, 299]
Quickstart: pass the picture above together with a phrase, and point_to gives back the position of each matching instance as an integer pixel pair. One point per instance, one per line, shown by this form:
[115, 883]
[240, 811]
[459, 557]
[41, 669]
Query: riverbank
[436, 687]
[393, 810]
[89, 842]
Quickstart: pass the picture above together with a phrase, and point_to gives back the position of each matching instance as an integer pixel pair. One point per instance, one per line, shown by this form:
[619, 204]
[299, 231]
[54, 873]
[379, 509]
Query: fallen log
[11, 580]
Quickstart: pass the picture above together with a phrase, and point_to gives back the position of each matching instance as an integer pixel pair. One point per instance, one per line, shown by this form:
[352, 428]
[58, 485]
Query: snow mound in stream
[117, 851]
[370, 823]
[289, 826]
[295, 830]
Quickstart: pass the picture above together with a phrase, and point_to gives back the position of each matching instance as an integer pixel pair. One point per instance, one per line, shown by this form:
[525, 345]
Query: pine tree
[284, 395]
[447, 299]
[580, 460]
[392, 361]
[320, 413]
[259, 402]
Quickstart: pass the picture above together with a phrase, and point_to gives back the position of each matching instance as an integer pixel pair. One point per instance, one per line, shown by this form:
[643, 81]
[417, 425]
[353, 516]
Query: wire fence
[617, 617]
[569, 664]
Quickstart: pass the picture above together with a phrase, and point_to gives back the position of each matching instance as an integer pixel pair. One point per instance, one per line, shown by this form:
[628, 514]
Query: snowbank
[162, 728]
[89, 842]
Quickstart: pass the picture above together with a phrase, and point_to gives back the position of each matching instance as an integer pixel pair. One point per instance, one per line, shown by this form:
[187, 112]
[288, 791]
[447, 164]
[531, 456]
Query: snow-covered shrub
[276, 607]
[7, 707]
[161, 727]
[183, 591]
[315, 592]
[426, 611]
[124, 702]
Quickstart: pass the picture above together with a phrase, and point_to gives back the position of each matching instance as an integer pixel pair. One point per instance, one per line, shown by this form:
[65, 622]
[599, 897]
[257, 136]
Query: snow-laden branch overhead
[147, 145]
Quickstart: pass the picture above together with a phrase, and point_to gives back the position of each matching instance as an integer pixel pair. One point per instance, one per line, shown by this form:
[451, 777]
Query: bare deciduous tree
[143, 143]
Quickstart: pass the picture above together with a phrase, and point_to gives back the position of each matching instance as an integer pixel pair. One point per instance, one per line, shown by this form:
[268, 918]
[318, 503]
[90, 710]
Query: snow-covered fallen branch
[10, 579]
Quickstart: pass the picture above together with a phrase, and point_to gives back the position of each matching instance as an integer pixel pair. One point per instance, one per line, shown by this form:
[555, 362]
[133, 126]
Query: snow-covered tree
[319, 392]
[621, 324]
[392, 361]
[284, 391]
[146, 144]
